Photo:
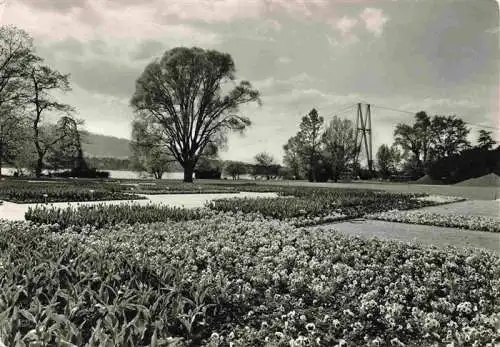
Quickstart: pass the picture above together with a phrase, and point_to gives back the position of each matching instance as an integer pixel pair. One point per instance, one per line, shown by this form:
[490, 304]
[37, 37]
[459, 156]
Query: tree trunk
[188, 172]
[39, 166]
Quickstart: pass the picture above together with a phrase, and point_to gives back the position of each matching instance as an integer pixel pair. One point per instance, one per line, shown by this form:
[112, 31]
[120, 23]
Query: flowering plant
[239, 279]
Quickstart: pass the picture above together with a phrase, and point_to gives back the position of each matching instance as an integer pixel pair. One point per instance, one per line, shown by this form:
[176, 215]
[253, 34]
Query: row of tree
[429, 145]
[434, 146]
[27, 86]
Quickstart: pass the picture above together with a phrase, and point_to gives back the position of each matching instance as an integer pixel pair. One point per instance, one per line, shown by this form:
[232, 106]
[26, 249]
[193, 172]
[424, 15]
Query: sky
[439, 56]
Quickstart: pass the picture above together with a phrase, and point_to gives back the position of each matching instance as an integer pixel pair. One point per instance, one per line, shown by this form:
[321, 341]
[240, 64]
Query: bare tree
[42, 80]
[183, 94]
[149, 152]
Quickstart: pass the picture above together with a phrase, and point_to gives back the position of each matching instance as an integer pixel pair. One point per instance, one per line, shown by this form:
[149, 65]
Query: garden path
[423, 234]
[489, 208]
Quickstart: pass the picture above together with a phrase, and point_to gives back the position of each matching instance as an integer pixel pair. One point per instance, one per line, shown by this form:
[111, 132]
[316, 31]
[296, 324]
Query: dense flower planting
[316, 206]
[41, 192]
[482, 223]
[240, 280]
[101, 215]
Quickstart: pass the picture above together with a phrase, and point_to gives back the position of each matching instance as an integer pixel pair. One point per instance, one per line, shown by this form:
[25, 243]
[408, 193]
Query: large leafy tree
[415, 139]
[449, 136]
[339, 145]
[190, 94]
[16, 54]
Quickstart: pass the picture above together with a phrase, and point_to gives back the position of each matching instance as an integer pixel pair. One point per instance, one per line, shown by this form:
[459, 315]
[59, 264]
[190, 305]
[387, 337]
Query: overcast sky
[440, 56]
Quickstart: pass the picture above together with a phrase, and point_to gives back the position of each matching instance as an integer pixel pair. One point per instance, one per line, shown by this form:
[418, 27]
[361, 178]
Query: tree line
[437, 146]
[185, 104]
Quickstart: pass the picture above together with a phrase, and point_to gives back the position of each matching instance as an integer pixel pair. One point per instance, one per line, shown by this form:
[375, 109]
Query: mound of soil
[489, 180]
[427, 180]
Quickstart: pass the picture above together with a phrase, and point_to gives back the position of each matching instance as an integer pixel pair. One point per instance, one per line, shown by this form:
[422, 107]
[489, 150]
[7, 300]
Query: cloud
[63, 6]
[147, 49]
[284, 60]
[374, 19]
[274, 24]
[298, 8]
[210, 10]
[105, 77]
[345, 41]
[96, 19]
[493, 31]
[345, 25]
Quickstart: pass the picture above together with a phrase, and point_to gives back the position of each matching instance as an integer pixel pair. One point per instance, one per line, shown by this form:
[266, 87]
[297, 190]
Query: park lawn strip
[479, 223]
[239, 279]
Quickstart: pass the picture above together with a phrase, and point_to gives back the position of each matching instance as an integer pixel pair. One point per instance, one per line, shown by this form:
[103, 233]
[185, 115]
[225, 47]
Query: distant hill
[100, 146]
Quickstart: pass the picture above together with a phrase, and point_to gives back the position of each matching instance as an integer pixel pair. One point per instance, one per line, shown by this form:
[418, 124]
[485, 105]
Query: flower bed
[240, 279]
[102, 215]
[317, 206]
[179, 188]
[38, 192]
[481, 223]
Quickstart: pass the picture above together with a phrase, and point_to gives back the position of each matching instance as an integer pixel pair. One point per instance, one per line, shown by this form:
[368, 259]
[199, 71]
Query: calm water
[7, 171]
[124, 174]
